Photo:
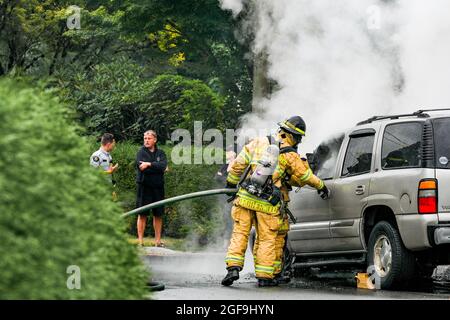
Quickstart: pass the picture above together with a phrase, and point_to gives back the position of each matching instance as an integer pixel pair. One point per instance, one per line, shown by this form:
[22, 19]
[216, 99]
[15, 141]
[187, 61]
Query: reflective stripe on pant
[242, 224]
[279, 244]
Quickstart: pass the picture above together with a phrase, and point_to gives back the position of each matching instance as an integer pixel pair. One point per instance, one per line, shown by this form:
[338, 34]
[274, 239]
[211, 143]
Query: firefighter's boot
[232, 275]
[267, 283]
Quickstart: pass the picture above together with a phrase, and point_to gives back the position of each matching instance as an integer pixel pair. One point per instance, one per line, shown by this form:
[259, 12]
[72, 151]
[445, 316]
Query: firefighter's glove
[232, 193]
[275, 198]
[230, 185]
[324, 192]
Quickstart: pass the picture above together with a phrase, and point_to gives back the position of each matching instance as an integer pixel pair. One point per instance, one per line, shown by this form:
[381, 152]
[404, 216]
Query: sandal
[161, 245]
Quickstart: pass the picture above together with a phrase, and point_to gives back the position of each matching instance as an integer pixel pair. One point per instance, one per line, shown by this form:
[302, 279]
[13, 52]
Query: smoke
[336, 63]
[425, 50]
[235, 6]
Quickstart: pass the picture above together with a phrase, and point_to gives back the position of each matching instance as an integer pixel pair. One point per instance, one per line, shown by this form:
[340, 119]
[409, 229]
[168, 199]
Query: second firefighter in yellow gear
[296, 173]
[292, 171]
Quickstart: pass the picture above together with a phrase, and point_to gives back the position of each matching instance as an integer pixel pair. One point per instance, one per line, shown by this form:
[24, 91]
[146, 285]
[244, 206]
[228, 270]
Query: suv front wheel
[388, 257]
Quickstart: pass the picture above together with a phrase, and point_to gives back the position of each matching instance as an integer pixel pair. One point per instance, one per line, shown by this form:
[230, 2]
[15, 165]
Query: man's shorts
[147, 195]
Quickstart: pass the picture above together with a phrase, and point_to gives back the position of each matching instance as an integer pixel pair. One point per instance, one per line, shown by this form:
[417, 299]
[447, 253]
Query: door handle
[360, 190]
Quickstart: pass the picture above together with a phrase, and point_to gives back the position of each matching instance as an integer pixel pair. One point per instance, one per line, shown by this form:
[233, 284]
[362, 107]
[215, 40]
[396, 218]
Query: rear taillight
[428, 192]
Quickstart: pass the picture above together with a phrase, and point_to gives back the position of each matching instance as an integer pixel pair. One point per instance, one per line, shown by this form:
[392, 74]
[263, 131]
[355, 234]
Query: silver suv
[390, 199]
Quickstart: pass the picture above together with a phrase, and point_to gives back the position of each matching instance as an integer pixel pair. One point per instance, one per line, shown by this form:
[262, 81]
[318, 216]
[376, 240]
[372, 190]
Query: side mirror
[311, 157]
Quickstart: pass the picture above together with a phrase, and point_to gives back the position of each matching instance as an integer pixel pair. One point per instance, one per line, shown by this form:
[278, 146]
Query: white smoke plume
[235, 6]
[339, 62]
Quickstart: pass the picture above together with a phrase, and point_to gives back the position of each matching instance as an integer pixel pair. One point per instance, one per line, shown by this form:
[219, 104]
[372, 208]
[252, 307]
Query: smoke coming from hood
[336, 63]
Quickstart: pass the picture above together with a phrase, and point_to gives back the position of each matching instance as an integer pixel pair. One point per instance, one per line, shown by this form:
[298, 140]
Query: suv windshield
[442, 142]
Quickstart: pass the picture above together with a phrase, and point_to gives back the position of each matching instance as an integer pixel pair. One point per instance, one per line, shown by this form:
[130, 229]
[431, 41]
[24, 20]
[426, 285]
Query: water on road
[197, 276]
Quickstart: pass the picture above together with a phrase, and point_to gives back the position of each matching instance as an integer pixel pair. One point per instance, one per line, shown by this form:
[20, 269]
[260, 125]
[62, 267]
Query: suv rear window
[442, 142]
[401, 146]
[358, 158]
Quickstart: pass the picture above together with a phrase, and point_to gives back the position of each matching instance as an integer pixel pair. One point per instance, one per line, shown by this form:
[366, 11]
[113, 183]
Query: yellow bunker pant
[280, 240]
[267, 227]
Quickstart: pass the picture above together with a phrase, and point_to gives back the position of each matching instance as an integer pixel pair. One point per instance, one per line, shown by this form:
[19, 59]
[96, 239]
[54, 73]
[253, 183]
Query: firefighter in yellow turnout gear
[295, 172]
[263, 209]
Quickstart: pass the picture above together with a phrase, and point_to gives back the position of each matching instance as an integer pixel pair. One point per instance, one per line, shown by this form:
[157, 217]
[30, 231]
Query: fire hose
[183, 197]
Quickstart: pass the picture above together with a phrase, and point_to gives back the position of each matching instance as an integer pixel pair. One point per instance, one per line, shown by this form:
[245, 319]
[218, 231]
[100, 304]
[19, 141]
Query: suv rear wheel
[391, 261]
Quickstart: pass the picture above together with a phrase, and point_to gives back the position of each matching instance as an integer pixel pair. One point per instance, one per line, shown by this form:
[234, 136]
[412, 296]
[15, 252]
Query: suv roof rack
[419, 113]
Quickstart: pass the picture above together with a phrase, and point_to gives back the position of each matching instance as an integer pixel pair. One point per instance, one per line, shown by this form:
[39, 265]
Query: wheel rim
[382, 256]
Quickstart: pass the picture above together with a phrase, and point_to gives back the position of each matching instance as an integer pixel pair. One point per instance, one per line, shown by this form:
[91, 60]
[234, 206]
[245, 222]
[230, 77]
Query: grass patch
[170, 243]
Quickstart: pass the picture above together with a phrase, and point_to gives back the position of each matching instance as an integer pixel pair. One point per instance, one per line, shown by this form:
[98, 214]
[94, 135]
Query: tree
[193, 39]
[204, 35]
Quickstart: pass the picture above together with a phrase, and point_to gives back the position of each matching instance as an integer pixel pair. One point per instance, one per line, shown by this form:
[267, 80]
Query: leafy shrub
[117, 97]
[176, 102]
[56, 211]
[108, 98]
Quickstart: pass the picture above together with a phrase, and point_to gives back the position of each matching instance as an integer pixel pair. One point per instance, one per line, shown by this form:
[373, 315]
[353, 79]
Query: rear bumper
[415, 230]
[423, 231]
[439, 234]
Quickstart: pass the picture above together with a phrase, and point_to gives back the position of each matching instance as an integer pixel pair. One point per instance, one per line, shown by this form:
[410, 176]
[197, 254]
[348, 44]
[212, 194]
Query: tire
[395, 269]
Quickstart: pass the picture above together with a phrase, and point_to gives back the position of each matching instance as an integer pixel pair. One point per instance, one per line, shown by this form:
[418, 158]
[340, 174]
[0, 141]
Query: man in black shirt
[151, 163]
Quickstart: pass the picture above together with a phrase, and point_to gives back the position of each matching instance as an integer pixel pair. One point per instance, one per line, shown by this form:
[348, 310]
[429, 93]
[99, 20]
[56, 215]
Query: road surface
[197, 276]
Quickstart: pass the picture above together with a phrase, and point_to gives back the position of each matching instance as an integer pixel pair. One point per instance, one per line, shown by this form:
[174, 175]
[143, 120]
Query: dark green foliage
[56, 210]
[206, 35]
[176, 102]
[108, 98]
[116, 98]
[194, 39]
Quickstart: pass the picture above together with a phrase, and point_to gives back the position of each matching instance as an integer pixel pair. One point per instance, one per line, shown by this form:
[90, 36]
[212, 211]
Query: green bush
[200, 217]
[176, 102]
[117, 97]
[56, 211]
[107, 99]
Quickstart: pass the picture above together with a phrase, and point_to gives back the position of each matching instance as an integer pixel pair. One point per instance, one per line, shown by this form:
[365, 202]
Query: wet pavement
[197, 276]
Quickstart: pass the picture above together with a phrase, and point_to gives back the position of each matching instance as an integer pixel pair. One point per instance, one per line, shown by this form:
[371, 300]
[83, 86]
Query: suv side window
[358, 158]
[401, 146]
